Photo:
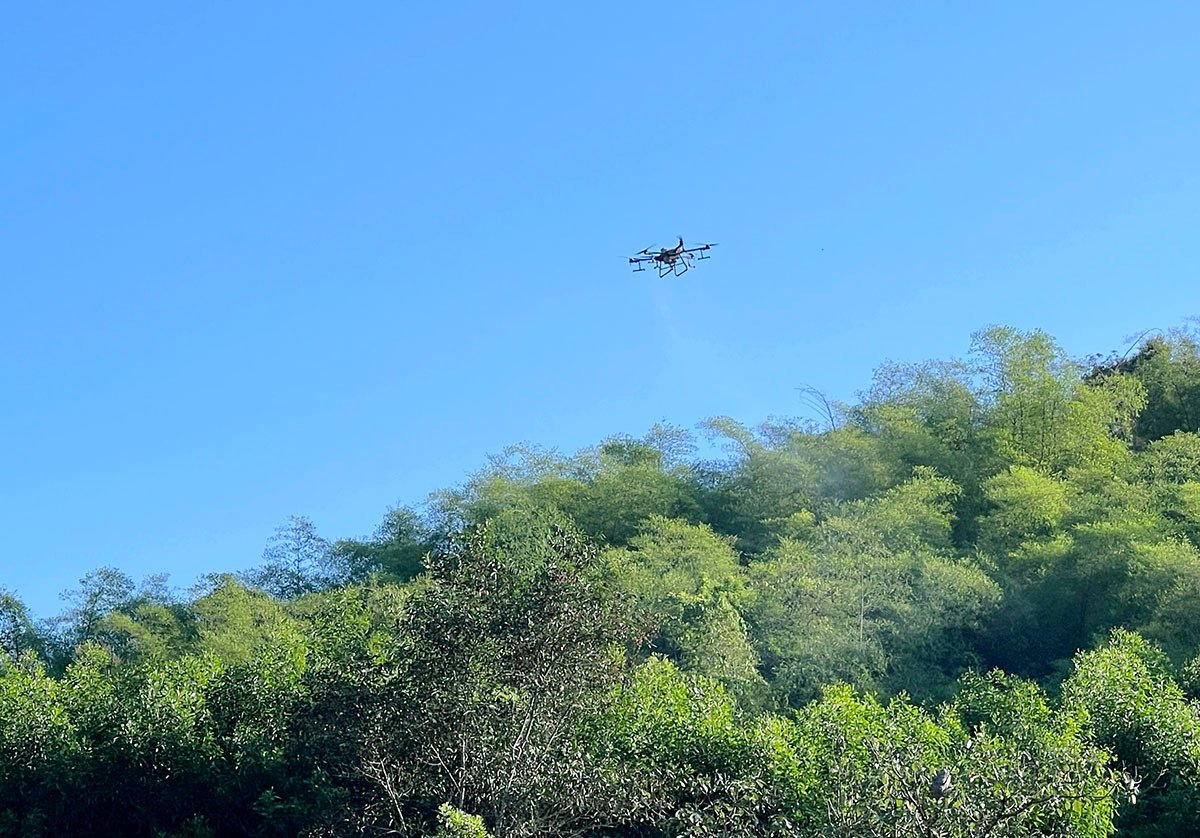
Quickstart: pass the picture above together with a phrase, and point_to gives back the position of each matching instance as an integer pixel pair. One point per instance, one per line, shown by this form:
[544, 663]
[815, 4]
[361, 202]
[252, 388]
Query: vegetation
[968, 605]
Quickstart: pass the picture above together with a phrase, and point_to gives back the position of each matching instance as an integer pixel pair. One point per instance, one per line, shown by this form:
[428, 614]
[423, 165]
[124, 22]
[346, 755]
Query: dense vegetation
[968, 605]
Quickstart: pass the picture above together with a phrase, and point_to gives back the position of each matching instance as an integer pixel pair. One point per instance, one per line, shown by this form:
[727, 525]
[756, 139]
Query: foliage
[295, 562]
[688, 584]
[512, 639]
[455, 824]
[18, 634]
[1168, 368]
[1136, 709]
[871, 596]
[777, 632]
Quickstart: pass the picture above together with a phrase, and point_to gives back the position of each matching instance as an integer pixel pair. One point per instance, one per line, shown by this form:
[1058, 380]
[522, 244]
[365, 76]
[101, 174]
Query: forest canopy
[967, 604]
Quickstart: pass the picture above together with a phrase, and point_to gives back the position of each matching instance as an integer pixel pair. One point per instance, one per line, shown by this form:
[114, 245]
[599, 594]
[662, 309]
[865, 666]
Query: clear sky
[262, 260]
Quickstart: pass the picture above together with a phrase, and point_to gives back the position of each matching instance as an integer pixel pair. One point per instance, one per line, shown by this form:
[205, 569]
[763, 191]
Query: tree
[507, 644]
[1041, 413]
[147, 630]
[1135, 708]
[1168, 368]
[688, 584]
[234, 622]
[295, 561]
[40, 751]
[1014, 766]
[783, 469]
[1007, 763]
[607, 491]
[453, 823]
[1078, 555]
[688, 764]
[1022, 505]
[18, 634]
[100, 593]
[394, 552]
[871, 596]
[932, 414]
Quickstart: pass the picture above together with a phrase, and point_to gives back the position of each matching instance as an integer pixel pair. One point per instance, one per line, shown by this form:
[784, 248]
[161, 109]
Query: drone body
[670, 260]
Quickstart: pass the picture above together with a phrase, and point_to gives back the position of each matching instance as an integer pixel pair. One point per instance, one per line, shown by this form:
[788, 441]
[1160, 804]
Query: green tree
[783, 469]
[607, 491]
[1041, 413]
[1012, 766]
[1022, 505]
[453, 823]
[1168, 367]
[148, 631]
[296, 562]
[1135, 708]
[872, 596]
[134, 620]
[100, 593]
[687, 762]
[505, 646]
[688, 584]
[40, 752]
[232, 621]
[932, 414]
[394, 552]
[18, 634]
[1170, 469]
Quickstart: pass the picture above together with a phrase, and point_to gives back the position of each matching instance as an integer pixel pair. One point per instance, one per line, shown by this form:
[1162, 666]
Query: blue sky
[263, 260]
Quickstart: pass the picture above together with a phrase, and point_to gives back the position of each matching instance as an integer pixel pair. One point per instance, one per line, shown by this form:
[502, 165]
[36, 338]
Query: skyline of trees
[988, 567]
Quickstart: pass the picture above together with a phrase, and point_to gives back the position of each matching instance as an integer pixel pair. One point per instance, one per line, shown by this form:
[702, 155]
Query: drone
[670, 260]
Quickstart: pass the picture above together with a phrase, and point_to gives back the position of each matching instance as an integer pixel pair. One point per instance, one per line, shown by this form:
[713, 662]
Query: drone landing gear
[679, 268]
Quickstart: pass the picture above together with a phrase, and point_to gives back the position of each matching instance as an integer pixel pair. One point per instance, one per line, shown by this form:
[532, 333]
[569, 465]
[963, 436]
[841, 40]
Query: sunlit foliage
[967, 605]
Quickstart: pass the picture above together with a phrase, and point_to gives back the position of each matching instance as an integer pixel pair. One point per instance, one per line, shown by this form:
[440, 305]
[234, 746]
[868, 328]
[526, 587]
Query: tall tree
[18, 634]
[295, 561]
[507, 644]
[689, 585]
[1041, 413]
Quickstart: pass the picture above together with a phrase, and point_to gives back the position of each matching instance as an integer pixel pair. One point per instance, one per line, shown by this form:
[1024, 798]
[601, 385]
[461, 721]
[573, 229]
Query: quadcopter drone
[670, 260]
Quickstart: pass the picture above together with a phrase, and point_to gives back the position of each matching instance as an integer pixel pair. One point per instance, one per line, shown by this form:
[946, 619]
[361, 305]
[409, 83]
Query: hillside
[967, 604]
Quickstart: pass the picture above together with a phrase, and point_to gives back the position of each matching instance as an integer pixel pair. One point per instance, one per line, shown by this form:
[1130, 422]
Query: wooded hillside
[966, 605]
